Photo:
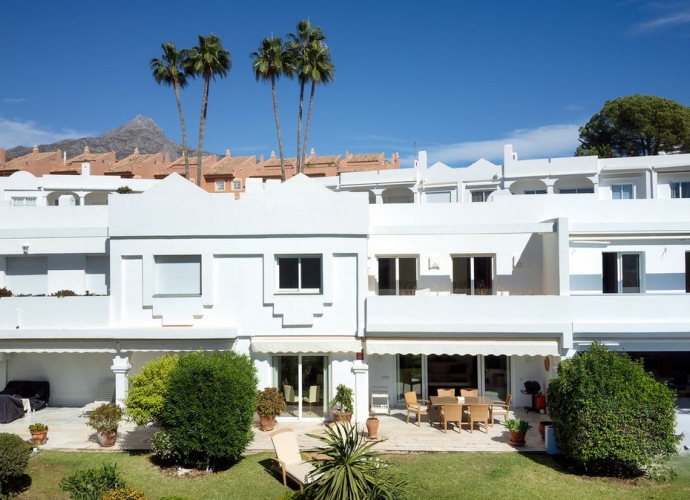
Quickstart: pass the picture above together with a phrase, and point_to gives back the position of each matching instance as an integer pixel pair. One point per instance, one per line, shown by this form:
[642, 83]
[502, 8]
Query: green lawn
[435, 476]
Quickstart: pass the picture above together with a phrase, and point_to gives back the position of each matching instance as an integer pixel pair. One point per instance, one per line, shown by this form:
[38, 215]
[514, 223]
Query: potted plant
[269, 403]
[105, 420]
[518, 428]
[39, 433]
[342, 404]
[373, 425]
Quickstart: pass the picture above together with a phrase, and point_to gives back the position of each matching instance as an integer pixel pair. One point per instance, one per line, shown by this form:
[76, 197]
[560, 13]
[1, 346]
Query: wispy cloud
[542, 142]
[676, 18]
[13, 100]
[27, 133]
[574, 107]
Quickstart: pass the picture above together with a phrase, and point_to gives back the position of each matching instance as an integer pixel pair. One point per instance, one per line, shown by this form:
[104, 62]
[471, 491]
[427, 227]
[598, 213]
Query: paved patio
[68, 431]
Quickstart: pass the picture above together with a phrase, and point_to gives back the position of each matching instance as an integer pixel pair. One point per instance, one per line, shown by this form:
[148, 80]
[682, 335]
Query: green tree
[170, 70]
[609, 415]
[319, 69]
[147, 389]
[637, 125]
[306, 35]
[207, 60]
[271, 61]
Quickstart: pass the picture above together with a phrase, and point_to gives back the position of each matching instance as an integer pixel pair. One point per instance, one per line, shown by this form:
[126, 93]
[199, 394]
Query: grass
[438, 476]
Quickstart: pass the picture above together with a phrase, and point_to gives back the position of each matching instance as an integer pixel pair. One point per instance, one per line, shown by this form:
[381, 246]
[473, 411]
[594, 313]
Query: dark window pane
[311, 272]
[287, 273]
[408, 276]
[631, 273]
[687, 272]
[461, 275]
[610, 272]
[387, 276]
[482, 276]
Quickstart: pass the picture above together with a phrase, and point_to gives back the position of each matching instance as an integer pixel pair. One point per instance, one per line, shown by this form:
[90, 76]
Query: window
[237, 185]
[397, 276]
[588, 190]
[622, 191]
[680, 189]
[473, 275]
[438, 197]
[621, 272]
[535, 191]
[481, 196]
[299, 274]
[220, 185]
[177, 275]
[687, 272]
[23, 201]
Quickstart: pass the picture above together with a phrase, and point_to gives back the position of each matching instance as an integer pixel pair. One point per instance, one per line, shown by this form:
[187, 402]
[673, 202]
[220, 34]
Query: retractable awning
[74, 346]
[111, 346]
[513, 347]
[305, 344]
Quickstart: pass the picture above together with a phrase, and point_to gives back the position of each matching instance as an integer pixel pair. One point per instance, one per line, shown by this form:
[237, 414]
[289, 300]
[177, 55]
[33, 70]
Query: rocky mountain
[142, 133]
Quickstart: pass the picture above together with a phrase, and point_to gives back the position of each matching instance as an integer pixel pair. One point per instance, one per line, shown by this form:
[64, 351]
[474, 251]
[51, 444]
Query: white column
[361, 371]
[120, 368]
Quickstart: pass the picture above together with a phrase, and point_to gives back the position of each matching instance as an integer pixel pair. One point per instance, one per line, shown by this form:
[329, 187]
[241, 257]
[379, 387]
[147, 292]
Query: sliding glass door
[303, 381]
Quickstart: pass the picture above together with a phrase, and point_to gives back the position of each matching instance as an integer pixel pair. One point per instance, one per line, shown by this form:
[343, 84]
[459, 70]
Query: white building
[415, 285]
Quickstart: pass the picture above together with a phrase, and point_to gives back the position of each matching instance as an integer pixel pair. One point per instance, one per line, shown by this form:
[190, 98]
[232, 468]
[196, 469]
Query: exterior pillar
[361, 410]
[379, 197]
[120, 368]
[81, 199]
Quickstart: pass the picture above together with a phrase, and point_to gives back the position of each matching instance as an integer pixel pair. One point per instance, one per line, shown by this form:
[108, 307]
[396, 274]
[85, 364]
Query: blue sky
[460, 78]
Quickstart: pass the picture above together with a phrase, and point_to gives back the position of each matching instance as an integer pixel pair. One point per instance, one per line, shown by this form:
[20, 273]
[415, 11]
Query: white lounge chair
[289, 458]
[105, 394]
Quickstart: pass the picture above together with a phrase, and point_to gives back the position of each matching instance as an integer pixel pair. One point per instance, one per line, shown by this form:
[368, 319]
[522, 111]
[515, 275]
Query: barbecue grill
[532, 388]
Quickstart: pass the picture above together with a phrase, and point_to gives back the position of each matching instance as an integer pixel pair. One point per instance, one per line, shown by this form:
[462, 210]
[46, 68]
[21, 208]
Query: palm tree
[271, 61]
[170, 70]
[208, 60]
[305, 36]
[320, 70]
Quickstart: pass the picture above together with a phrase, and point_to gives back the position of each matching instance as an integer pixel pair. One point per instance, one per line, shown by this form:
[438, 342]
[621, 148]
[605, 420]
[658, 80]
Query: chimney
[227, 153]
[312, 153]
[35, 150]
[2, 156]
[64, 158]
[166, 158]
[86, 150]
[261, 159]
[85, 169]
[273, 155]
[136, 151]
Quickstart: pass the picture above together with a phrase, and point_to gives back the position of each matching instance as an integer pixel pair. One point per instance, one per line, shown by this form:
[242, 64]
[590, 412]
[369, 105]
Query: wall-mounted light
[25, 249]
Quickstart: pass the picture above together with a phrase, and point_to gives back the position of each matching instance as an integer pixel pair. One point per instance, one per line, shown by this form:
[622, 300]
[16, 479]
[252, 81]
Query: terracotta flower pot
[373, 427]
[268, 422]
[341, 417]
[39, 437]
[542, 427]
[107, 438]
[517, 438]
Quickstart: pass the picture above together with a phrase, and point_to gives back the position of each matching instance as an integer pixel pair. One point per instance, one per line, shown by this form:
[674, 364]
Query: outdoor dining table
[439, 401]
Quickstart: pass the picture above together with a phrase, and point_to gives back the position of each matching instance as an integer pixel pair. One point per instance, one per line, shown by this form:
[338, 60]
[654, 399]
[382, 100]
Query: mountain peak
[138, 124]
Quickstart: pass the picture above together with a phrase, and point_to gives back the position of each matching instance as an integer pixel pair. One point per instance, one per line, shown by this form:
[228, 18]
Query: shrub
[5, 292]
[144, 401]
[162, 447]
[209, 408]
[354, 471]
[609, 415]
[38, 427]
[124, 190]
[517, 425]
[92, 484]
[105, 418]
[342, 402]
[14, 458]
[270, 402]
[63, 293]
[125, 493]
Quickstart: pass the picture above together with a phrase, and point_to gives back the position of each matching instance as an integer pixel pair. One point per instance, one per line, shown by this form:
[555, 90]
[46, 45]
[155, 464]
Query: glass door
[409, 375]
[496, 376]
[303, 380]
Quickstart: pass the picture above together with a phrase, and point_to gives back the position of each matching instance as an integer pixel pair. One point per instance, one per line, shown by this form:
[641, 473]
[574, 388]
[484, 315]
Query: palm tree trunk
[202, 127]
[176, 86]
[306, 131]
[299, 126]
[280, 136]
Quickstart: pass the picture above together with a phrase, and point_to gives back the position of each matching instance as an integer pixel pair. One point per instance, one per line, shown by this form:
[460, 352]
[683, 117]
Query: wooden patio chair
[451, 413]
[501, 409]
[289, 459]
[479, 413]
[414, 406]
[445, 393]
[472, 393]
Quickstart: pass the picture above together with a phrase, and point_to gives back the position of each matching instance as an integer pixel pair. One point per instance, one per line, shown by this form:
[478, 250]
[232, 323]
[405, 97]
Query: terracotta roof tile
[275, 162]
[86, 157]
[227, 164]
[19, 162]
[322, 160]
[365, 157]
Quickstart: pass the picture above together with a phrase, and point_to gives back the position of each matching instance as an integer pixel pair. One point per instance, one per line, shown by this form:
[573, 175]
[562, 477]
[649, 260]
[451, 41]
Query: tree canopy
[637, 125]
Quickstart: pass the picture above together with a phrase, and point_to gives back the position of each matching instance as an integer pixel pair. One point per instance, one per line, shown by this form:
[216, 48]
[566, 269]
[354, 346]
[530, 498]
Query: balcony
[55, 313]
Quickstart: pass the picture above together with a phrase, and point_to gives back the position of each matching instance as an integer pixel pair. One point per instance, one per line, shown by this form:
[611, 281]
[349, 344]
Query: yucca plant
[354, 471]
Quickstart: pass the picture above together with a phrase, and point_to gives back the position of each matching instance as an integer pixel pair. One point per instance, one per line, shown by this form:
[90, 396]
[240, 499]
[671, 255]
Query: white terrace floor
[68, 431]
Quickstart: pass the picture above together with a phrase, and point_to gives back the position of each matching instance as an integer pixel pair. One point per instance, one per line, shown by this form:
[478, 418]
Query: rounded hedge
[609, 415]
[14, 458]
[146, 392]
[209, 408]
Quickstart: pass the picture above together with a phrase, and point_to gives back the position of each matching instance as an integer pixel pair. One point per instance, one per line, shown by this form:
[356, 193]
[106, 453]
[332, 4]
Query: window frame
[159, 263]
[220, 185]
[473, 289]
[396, 269]
[534, 191]
[234, 187]
[620, 188]
[620, 273]
[681, 191]
[576, 190]
[484, 192]
[299, 290]
[15, 199]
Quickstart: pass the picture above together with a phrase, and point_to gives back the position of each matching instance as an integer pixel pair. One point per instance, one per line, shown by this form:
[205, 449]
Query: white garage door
[73, 377]
[27, 275]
